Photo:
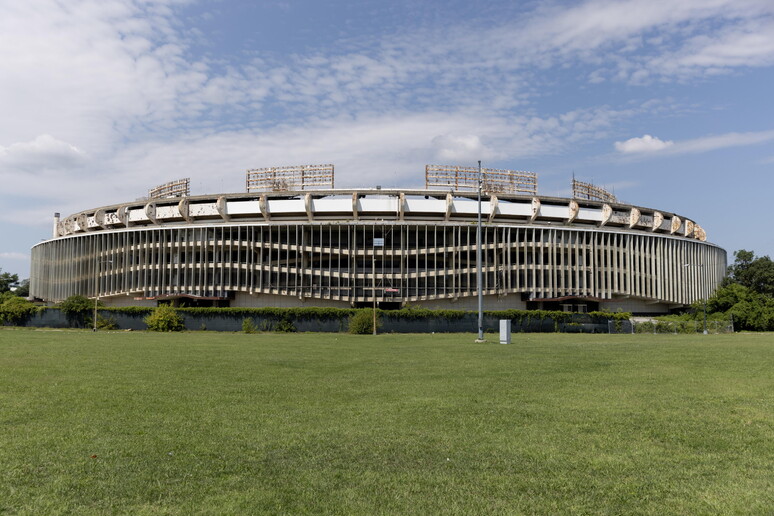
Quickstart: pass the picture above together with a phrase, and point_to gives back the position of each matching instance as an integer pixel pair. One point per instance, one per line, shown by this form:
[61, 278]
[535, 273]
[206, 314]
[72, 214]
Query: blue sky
[668, 104]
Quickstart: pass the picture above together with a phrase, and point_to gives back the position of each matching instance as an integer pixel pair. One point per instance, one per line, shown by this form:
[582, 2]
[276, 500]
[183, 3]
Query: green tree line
[747, 293]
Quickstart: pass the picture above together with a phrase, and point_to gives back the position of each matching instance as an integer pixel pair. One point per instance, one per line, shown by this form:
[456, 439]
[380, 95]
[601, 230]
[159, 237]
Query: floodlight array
[589, 192]
[299, 177]
[177, 188]
[492, 180]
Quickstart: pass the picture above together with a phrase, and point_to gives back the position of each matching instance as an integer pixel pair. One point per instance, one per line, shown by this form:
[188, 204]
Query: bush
[645, 327]
[164, 318]
[106, 323]
[362, 323]
[285, 326]
[248, 325]
[16, 310]
[75, 306]
[78, 310]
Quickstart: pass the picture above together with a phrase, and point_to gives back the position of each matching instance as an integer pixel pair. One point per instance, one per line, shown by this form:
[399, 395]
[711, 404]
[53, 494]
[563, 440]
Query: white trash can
[505, 331]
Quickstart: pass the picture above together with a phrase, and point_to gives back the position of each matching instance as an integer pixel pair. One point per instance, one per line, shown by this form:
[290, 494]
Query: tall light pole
[478, 264]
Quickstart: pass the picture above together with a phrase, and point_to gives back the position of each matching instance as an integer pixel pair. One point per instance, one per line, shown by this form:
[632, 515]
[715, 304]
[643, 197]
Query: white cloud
[15, 256]
[649, 145]
[93, 72]
[646, 143]
[455, 148]
[45, 151]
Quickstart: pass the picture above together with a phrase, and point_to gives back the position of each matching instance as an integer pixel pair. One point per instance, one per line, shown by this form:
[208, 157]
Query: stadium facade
[354, 247]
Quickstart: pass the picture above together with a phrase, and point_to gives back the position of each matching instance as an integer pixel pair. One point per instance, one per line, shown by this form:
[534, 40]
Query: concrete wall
[468, 323]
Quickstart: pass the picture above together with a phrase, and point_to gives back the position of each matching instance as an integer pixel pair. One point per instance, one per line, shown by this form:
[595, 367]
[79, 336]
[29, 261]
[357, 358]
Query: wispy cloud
[653, 146]
[710, 143]
[635, 41]
[15, 256]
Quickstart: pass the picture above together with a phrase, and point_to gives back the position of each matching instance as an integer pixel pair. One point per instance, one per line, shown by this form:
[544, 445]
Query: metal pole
[705, 315]
[478, 263]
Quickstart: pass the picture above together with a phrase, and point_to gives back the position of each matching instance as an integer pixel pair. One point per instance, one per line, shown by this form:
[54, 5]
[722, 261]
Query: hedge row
[344, 313]
[77, 311]
[408, 313]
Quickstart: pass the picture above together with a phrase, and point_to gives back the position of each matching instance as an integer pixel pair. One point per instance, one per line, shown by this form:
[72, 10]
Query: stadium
[293, 240]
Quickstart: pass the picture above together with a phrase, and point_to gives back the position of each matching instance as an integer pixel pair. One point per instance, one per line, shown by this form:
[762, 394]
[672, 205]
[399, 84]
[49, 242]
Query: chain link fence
[674, 327]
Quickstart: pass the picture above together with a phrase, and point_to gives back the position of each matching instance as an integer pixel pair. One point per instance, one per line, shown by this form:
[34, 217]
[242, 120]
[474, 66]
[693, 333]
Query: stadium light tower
[478, 263]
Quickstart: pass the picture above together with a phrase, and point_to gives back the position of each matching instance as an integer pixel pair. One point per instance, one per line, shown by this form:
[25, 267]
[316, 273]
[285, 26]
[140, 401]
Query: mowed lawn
[214, 423]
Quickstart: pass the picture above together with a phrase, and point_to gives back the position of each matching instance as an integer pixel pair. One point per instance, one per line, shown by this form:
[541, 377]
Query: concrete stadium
[353, 247]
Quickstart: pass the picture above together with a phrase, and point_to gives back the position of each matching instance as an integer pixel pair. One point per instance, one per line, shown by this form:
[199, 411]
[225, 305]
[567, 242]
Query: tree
[76, 305]
[23, 290]
[747, 294]
[754, 273]
[8, 280]
[77, 309]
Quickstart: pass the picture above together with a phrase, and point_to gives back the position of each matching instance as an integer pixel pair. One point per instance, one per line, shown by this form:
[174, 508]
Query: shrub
[74, 306]
[645, 327]
[285, 326]
[16, 310]
[164, 318]
[362, 323]
[106, 323]
[664, 327]
[248, 325]
[78, 310]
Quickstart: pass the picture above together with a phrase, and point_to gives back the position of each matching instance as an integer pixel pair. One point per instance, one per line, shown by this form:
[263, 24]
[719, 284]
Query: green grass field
[212, 423]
